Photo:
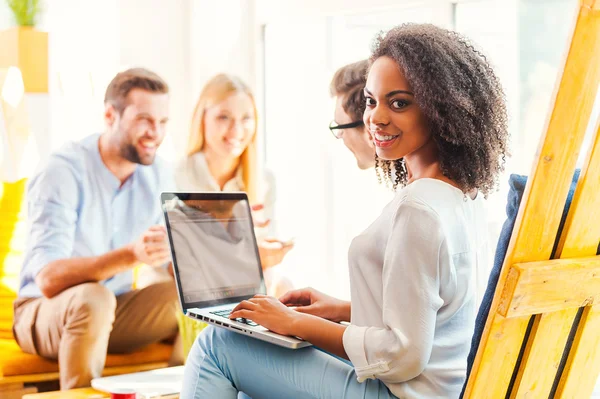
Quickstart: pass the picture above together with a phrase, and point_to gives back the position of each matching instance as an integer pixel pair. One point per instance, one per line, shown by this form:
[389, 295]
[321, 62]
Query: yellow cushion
[189, 329]
[15, 362]
[12, 244]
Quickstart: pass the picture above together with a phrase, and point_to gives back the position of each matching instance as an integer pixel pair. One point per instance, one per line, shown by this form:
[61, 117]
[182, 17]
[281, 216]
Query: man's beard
[130, 153]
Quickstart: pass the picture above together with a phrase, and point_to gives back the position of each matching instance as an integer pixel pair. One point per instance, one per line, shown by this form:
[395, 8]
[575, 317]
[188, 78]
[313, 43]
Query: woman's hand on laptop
[269, 312]
[311, 301]
[151, 247]
[272, 251]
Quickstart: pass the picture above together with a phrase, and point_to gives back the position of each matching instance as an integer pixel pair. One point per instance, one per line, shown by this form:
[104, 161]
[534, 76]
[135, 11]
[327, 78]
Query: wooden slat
[581, 370]
[11, 387]
[581, 234]
[592, 4]
[551, 285]
[29, 378]
[541, 208]
[548, 338]
[15, 391]
[581, 237]
[503, 347]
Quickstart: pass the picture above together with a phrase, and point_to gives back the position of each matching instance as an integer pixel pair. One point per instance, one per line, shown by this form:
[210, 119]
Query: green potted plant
[25, 47]
[25, 12]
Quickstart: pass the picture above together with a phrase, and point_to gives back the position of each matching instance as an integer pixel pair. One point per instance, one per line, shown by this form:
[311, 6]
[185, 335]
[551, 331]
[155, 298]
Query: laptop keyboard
[226, 312]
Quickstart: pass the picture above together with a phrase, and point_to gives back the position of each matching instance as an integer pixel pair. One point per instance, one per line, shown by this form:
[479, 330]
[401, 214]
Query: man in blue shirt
[94, 214]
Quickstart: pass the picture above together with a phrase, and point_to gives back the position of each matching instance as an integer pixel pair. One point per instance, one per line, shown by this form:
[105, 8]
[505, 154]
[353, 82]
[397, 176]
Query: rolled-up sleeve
[52, 199]
[401, 350]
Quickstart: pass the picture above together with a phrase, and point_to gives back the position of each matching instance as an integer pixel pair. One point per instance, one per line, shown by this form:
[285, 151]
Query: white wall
[298, 110]
[5, 16]
[83, 37]
[268, 11]
[223, 37]
[155, 34]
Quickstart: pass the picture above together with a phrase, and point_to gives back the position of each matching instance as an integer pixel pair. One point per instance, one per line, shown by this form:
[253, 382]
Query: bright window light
[13, 89]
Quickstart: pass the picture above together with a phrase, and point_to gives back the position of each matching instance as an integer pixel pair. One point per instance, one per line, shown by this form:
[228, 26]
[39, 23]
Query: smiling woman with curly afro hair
[461, 99]
[436, 114]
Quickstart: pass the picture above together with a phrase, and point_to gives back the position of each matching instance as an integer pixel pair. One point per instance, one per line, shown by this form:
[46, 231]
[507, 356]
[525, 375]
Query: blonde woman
[222, 156]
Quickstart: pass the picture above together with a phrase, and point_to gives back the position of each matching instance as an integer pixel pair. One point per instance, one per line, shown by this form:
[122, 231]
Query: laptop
[216, 261]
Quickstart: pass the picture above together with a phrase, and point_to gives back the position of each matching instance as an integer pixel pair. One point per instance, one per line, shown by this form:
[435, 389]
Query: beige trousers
[81, 324]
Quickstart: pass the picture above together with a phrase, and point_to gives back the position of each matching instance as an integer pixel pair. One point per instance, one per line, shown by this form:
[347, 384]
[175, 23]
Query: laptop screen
[213, 247]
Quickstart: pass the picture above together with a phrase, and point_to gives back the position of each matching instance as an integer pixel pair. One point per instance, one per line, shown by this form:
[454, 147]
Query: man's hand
[273, 251]
[311, 301]
[152, 247]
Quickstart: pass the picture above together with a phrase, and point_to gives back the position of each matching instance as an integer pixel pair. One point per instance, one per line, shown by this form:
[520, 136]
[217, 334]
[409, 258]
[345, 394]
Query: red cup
[123, 394]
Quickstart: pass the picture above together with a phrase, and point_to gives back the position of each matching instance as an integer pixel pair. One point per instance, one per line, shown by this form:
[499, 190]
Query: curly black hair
[461, 98]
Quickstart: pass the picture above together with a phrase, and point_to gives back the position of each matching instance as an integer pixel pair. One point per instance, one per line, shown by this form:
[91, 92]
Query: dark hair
[460, 96]
[134, 78]
[349, 81]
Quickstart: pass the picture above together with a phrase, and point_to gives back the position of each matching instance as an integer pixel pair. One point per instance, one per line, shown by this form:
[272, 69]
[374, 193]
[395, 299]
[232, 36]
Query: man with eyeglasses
[347, 86]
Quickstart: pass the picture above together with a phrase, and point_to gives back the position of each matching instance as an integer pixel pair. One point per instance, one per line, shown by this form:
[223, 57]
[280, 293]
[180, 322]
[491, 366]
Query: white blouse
[413, 277]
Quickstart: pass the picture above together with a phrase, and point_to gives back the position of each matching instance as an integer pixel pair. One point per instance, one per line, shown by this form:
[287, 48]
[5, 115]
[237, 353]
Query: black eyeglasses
[333, 126]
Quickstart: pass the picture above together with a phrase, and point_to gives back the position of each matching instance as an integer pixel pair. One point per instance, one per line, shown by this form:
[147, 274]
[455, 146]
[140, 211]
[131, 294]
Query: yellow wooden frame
[541, 338]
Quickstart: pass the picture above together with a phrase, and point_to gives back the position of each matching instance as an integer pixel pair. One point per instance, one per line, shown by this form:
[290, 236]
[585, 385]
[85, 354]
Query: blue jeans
[222, 363]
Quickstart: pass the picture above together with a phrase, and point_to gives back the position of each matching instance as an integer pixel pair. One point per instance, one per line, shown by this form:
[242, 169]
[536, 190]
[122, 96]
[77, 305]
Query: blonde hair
[216, 90]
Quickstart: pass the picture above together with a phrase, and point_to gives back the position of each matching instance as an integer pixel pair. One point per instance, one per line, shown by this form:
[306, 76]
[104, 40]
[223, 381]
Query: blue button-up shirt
[78, 208]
